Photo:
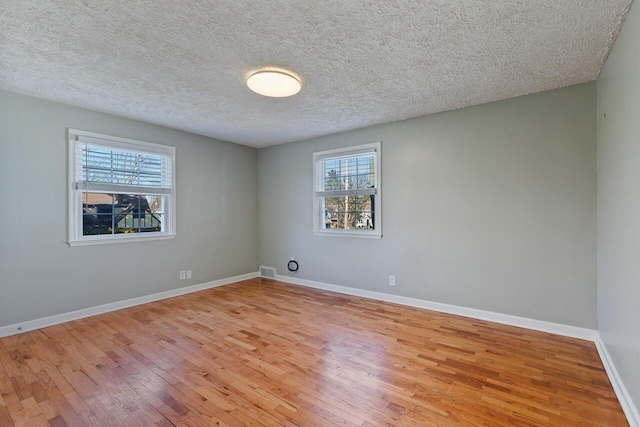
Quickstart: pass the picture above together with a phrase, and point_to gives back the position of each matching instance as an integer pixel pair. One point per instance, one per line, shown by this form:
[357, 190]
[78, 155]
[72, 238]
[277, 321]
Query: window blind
[107, 167]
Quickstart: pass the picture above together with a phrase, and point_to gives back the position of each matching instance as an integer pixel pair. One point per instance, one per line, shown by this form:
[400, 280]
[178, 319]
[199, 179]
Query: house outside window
[120, 190]
[347, 192]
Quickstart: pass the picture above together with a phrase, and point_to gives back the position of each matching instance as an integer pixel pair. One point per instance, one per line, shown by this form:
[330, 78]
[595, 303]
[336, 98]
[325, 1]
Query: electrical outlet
[392, 280]
[188, 274]
[183, 274]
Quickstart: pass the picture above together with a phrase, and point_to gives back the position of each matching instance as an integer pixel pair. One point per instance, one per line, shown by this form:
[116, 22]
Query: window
[120, 190]
[347, 196]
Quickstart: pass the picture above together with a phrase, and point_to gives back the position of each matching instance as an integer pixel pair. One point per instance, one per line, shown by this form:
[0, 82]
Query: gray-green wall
[41, 276]
[491, 207]
[619, 204]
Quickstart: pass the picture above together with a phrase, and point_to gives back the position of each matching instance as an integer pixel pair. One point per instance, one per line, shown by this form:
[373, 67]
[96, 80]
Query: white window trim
[74, 210]
[363, 234]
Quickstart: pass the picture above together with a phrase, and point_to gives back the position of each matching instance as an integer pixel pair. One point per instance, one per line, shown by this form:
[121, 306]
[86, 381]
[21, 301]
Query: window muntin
[121, 189]
[347, 191]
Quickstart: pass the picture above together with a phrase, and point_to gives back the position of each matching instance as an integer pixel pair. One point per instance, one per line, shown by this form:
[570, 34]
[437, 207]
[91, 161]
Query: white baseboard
[31, 325]
[624, 398]
[506, 319]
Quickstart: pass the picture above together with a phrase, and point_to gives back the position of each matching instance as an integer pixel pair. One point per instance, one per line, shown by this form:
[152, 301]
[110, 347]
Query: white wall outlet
[183, 274]
[392, 280]
[188, 274]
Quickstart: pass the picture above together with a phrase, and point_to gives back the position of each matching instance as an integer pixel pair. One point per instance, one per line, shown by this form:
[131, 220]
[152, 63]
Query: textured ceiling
[183, 63]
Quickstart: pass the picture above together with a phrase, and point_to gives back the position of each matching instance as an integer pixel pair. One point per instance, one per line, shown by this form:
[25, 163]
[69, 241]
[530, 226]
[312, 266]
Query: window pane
[126, 209]
[97, 224]
[96, 202]
[125, 224]
[96, 213]
[136, 213]
[355, 172]
[155, 204]
[151, 213]
[349, 212]
[150, 222]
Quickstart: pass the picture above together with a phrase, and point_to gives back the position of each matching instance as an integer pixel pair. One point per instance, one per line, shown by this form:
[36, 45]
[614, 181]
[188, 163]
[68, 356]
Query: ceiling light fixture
[277, 84]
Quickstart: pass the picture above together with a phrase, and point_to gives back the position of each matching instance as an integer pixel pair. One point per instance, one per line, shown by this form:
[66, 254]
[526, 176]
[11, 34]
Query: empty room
[297, 213]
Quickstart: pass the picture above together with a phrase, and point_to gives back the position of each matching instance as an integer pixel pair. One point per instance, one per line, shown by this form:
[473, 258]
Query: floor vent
[267, 272]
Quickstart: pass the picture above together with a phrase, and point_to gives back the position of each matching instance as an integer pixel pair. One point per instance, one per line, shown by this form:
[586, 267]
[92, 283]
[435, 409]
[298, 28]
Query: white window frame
[318, 216]
[76, 238]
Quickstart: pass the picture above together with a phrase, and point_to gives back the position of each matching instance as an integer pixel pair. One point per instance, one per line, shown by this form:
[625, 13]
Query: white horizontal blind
[108, 167]
[352, 174]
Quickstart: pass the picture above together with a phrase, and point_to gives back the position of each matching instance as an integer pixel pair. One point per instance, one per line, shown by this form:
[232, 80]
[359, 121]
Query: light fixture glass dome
[277, 84]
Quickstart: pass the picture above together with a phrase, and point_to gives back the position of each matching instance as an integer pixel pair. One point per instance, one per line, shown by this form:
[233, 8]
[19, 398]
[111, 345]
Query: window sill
[119, 239]
[356, 234]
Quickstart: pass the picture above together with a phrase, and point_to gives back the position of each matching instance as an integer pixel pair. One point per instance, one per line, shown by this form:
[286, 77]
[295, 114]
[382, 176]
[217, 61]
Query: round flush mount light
[277, 84]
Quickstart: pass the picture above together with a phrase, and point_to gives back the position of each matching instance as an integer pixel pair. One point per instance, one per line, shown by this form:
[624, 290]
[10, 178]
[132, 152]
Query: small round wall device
[292, 265]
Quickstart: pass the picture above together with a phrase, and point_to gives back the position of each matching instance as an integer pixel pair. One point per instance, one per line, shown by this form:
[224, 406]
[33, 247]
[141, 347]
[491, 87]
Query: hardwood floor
[262, 352]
